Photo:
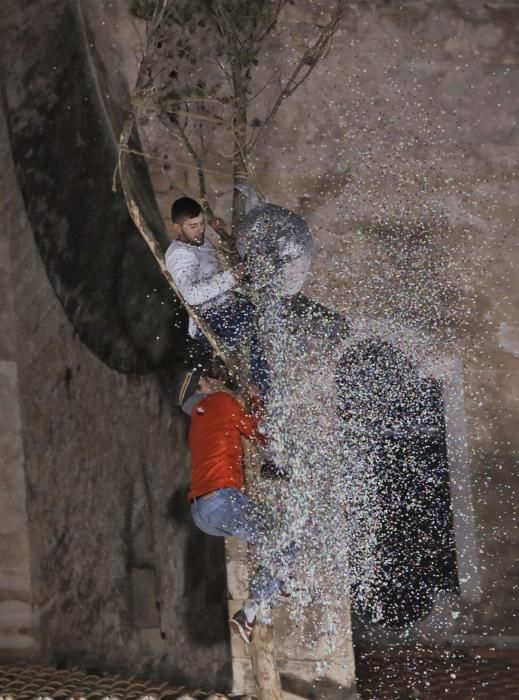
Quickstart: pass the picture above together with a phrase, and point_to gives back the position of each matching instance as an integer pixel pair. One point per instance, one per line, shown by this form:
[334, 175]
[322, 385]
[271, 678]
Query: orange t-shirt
[217, 423]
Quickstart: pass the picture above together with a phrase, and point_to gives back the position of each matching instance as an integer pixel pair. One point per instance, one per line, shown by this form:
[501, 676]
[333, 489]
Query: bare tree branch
[227, 239]
[238, 38]
[306, 64]
[133, 207]
[270, 22]
[225, 24]
[149, 156]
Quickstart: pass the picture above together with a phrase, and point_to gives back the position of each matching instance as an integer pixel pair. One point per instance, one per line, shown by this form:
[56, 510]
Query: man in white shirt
[192, 263]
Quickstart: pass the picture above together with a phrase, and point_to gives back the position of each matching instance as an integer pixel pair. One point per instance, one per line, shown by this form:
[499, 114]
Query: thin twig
[145, 103]
[306, 65]
[183, 98]
[197, 116]
[149, 156]
[271, 23]
[225, 25]
[133, 207]
[268, 82]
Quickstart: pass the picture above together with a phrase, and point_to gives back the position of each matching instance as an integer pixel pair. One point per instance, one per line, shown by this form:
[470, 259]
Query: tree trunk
[240, 164]
[264, 663]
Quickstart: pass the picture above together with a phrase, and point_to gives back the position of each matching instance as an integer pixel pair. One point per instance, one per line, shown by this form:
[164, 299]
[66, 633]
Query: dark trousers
[231, 323]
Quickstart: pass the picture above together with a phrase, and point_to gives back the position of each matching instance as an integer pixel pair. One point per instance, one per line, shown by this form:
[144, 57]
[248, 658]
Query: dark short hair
[216, 369]
[184, 208]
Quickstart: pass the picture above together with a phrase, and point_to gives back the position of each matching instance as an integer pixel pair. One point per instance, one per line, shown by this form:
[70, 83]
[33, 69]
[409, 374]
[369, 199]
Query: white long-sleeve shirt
[198, 276]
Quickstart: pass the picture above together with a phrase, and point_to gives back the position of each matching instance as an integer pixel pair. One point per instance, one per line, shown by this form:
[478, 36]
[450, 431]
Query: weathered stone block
[15, 617]
[144, 596]
[237, 580]
[302, 679]
[308, 641]
[243, 677]
[235, 549]
[153, 644]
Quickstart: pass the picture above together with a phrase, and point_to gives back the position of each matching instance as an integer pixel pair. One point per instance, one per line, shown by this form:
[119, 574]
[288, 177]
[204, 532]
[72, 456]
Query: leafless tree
[196, 75]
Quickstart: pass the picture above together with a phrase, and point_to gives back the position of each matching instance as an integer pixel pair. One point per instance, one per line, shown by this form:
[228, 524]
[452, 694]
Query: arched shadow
[205, 579]
[64, 110]
[393, 418]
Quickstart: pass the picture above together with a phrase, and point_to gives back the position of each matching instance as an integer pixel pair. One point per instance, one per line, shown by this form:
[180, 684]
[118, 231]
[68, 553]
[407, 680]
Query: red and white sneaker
[240, 625]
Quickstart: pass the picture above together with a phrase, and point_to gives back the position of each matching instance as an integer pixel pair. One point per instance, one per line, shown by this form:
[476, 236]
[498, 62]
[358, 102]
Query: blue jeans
[231, 323]
[231, 513]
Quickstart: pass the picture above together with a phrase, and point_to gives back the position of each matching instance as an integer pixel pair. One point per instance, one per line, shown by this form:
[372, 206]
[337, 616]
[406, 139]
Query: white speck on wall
[508, 338]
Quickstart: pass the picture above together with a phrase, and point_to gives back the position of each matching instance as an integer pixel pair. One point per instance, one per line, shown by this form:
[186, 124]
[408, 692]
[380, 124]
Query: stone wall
[119, 579]
[16, 633]
[410, 122]
[400, 150]
[118, 572]
[412, 119]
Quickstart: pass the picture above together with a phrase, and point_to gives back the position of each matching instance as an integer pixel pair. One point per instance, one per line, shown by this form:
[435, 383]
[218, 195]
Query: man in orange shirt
[218, 505]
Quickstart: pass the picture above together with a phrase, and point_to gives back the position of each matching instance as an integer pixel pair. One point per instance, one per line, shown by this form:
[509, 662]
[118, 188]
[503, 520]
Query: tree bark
[240, 161]
[264, 663]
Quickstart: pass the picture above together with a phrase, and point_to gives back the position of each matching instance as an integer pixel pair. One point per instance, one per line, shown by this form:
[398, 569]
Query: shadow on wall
[64, 148]
[90, 456]
[205, 576]
[393, 418]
